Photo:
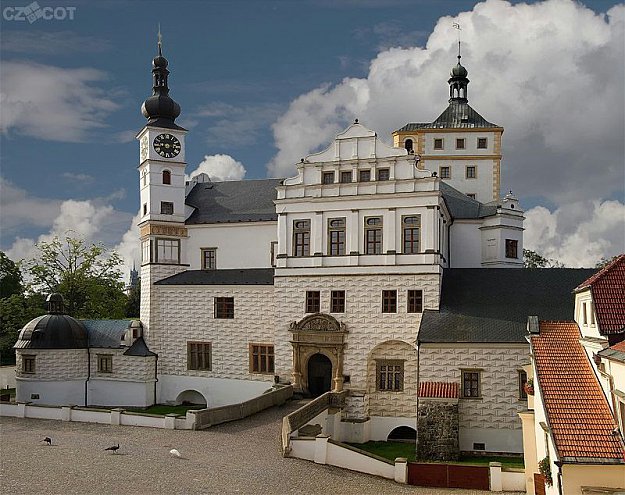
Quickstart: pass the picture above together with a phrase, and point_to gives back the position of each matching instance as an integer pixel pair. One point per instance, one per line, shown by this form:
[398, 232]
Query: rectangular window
[105, 363]
[445, 173]
[209, 259]
[145, 252]
[522, 382]
[373, 235]
[384, 174]
[346, 177]
[512, 248]
[313, 301]
[390, 376]
[337, 301]
[438, 143]
[389, 301]
[261, 358]
[415, 301]
[145, 208]
[482, 143]
[471, 172]
[471, 195]
[301, 238]
[460, 143]
[584, 315]
[28, 364]
[167, 208]
[471, 384]
[273, 252]
[591, 313]
[411, 227]
[336, 236]
[364, 175]
[224, 307]
[328, 177]
[199, 356]
[167, 250]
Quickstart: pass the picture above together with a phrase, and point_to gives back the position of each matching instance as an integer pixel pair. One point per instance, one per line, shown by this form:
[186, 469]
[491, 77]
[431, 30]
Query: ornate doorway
[319, 374]
[318, 342]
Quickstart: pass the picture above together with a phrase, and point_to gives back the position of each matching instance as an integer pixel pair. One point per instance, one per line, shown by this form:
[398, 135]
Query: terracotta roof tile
[576, 408]
[439, 390]
[607, 287]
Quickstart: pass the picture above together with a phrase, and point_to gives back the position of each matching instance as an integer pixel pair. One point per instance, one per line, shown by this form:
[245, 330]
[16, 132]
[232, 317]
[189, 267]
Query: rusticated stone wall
[437, 430]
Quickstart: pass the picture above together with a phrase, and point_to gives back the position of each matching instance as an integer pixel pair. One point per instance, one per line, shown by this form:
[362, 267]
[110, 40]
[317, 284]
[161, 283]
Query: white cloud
[219, 168]
[577, 234]
[52, 103]
[129, 248]
[548, 72]
[33, 41]
[80, 178]
[19, 208]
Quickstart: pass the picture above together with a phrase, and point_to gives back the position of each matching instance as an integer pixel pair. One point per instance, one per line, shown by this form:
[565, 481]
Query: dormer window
[166, 177]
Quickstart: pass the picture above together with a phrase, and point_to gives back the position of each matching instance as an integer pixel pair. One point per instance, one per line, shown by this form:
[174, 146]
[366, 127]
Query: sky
[263, 83]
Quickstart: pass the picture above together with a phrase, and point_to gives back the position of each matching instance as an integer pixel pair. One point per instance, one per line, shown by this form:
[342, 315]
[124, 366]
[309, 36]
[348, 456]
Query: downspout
[88, 376]
[451, 221]
[559, 464]
[417, 423]
[155, 375]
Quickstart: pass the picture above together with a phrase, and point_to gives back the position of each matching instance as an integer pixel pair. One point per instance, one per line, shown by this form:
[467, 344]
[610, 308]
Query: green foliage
[133, 304]
[544, 467]
[10, 277]
[531, 259]
[15, 311]
[88, 277]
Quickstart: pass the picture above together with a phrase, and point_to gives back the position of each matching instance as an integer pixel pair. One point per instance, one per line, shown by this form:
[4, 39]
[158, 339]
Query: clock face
[167, 145]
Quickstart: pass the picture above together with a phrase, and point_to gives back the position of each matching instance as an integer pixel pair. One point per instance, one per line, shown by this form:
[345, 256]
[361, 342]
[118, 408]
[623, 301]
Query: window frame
[312, 302]
[382, 375]
[436, 142]
[447, 168]
[389, 301]
[304, 232]
[414, 301]
[473, 393]
[479, 141]
[223, 308]
[263, 355]
[405, 227]
[166, 177]
[337, 301]
[343, 174]
[165, 207]
[383, 174]
[472, 195]
[214, 258]
[206, 350]
[170, 261]
[512, 249]
[522, 380]
[105, 363]
[466, 172]
[335, 231]
[326, 176]
[273, 247]
[461, 144]
[363, 173]
[410, 147]
[374, 242]
[29, 363]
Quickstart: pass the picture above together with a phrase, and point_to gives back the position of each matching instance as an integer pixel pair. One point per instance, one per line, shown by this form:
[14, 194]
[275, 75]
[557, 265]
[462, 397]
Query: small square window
[224, 307]
[167, 208]
[438, 143]
[199, 356]
[209, 259]
[384, 174]
[346, 177]
[364, 175]
[105, 363]
[389, 301]
[445, 173]
[471, 384]
[460, 143]
[482, 143]
[337, 301]
[313, 301]
[512, 248]
[328, 177]
[471, 172]
[415, 301]
[28, 364]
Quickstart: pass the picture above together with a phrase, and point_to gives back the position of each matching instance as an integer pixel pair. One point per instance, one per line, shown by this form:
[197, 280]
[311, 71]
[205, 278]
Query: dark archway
[403, 434]
[319, 375]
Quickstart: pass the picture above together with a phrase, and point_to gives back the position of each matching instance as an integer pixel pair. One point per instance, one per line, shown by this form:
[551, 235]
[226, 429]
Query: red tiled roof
[607, 287]
[439, 390]
[575, 406]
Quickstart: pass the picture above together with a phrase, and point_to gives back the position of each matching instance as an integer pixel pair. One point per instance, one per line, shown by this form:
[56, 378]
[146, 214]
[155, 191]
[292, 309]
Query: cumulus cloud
[547, 72]
[219, 168]
[18, 208]
[578, 234]
[129, 247]
[68, 112]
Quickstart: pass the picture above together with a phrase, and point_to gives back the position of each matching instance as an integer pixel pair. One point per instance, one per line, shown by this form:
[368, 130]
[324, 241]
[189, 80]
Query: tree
[531, 259]
[605, 261]
[133, 304]
[88, 277]
[10, 277]
[15, 311]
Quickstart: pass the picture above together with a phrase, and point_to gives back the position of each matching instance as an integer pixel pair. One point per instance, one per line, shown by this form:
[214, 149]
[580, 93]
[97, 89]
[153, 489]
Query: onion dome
[160, 109]
[458, 83]
[55, 330]
[458, 70]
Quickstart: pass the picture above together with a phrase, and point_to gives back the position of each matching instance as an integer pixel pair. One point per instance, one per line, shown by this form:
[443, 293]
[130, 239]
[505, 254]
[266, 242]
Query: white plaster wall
[53, 364]
[103, 392]
[512, 481]
[124, 367]
[465, 244]
[481, 186]
[51, 392]
[239, 245]
[348, 459]
[381, 427]
[493, 418]
[590, 328]
[216, 391]
[303, 449]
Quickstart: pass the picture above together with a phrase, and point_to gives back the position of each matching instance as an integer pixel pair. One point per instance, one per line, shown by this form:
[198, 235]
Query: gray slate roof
[233, 201]
[457, 115]
[493, 304]
[462, 206]
[249, 276]
[106, 333]
[139, 348]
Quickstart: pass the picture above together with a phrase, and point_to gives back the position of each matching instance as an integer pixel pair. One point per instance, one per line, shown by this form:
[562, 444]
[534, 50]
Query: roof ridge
[601, 273]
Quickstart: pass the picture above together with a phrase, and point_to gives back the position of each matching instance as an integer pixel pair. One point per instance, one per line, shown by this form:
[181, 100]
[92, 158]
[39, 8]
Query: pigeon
[48, 440]
[175, 453]
[114, 448]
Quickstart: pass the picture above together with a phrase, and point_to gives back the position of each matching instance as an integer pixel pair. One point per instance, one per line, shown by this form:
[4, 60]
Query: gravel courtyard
[241, 457]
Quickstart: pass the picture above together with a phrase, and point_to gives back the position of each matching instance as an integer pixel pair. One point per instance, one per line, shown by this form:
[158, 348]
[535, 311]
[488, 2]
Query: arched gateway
[318, 343]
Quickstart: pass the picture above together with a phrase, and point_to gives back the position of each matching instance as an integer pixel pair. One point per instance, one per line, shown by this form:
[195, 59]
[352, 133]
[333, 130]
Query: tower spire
[458, 81]
[160, 41]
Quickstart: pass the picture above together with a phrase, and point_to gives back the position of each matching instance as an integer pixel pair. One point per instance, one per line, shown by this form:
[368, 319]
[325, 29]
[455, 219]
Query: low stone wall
[102, 416]
[205, 418]
[437, 430]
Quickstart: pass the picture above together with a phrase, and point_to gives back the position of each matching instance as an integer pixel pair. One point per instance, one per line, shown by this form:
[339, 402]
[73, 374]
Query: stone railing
[304, 414]
[205, 418]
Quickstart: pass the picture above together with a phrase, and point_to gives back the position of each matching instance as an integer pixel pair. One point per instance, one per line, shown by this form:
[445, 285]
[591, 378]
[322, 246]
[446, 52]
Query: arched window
[166, 177]
[408, 145]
